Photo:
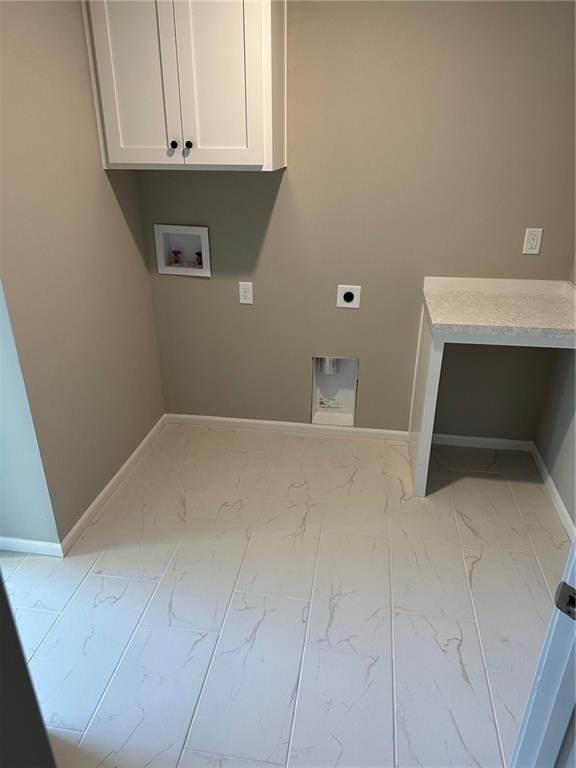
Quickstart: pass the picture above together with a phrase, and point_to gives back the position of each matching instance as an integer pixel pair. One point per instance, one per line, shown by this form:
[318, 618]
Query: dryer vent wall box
[182, 250]
[334, 385]
[182, 84]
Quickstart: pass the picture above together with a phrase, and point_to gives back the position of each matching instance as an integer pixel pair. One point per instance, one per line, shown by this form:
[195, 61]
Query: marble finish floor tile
[256, 440]
[33, 626]
[475, 459]
[237, 486]
[144, 716]
[359, 504]
[438, 502]
[77, 658]
[510, 694]
[63, 745]
[487, 515]
[197, 463]
[282, 553]
[513, 608]
[9, 562]
[147, 518]
[197, 585]
[344, 714]
[428, 572]
[247, 706]
[351, 602]
[531, 495]
[551, 544]
[443, 710]
[215, 543]
[296, 473]
[341, 454]
[48, 583]
[192, 759]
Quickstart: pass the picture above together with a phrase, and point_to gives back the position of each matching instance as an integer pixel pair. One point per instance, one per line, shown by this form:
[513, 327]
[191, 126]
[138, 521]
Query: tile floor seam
[195, 630]
[233, 757]
[66, 604]
[380, 655]
[129, 641]
[26, 557]
[507, 673]
[37, 610]
[213, 656]
[371, 654]
[481, 548]
[124, 578]
[526, 528]
[275, 595]
[392, 645]
[305, 639]
[358, 535]
[425, 615]
[479, 636]
[63, 730]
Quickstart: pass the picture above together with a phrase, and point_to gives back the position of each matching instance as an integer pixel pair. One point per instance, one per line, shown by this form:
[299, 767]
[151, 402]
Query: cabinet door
[135, 56]
[219, 47]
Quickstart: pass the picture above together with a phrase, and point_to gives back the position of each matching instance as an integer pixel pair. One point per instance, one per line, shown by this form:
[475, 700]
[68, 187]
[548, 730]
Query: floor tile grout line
[125, 578]
[392, 644]
[130, 639]
[90, 571]
[499, 549]
[358, 654]
[64, 608]
[274, 595]
[440, 617]
[34, 610]
[63, 730]
[358, 535]
[248, 760]
[305, 646]
[20, 564]
[526, 528]
[214, 654]
[479, 636]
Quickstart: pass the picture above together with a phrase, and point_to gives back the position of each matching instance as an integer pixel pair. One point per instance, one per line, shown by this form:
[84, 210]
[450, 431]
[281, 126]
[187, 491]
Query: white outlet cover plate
[532, 241]
[245, 293]
[344, 289]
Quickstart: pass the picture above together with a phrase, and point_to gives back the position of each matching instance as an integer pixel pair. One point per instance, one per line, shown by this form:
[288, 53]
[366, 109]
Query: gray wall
[423, 139]
[556, 438]
[25, 506]
[493, 391]
[76, 286]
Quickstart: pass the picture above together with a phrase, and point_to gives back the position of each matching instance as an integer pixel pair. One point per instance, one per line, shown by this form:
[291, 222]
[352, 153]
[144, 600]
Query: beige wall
[76, 286]
[423, 139]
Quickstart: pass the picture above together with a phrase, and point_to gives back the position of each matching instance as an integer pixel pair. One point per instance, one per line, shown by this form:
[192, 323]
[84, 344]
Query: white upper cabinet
[190, 83]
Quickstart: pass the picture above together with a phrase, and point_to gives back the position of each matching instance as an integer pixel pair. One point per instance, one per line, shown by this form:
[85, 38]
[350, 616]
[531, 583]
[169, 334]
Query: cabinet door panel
[219, 50]
[135, 51]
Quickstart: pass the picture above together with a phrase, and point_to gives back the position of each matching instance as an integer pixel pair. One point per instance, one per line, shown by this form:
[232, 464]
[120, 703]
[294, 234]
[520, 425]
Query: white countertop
[501, 307]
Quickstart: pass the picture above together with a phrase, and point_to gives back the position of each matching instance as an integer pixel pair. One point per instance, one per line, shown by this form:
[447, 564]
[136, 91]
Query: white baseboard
[563, 513]
[56, 549]
[392, 435]
[31, 547]
[74, 533]
[495, 443]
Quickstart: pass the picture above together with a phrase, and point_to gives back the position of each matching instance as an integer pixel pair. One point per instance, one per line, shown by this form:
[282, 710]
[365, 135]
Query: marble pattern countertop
[515, 313]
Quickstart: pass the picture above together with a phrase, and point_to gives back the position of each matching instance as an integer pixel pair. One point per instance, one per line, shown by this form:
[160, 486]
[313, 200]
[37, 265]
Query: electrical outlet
[245, 293]
[532, 241]
[348, 296]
